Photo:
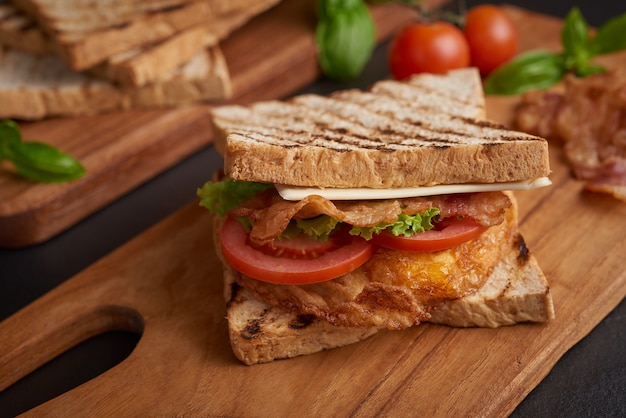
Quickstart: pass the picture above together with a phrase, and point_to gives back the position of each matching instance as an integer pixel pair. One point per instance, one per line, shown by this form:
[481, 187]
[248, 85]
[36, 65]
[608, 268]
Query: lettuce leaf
[319, 227]
[220, 197]
[406, 225]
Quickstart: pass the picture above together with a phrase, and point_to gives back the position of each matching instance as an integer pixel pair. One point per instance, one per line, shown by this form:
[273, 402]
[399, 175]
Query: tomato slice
[300, 247]
[260, 265]
[448, 234]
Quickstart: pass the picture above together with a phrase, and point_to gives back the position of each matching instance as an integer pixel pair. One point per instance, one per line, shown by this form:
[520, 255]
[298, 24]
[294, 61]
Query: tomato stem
[426, 15]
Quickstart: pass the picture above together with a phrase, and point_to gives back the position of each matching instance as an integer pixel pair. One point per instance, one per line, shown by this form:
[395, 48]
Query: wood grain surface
[166, 285]
[270, 57]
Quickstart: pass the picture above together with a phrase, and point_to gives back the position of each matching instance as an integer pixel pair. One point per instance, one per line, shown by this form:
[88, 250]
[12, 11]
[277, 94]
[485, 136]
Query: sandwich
[340, 216]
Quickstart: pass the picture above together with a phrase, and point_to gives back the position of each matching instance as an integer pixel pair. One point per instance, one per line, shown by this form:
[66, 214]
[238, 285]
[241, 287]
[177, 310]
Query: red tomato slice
[300, 247]
[451, 233]
[260, 265]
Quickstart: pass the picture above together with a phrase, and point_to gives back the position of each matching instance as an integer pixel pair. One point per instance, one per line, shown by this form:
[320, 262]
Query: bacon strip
[270, 214]
[590, 118]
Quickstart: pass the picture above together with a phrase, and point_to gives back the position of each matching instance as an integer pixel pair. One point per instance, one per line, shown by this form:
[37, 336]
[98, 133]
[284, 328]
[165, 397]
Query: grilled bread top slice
[425, 131]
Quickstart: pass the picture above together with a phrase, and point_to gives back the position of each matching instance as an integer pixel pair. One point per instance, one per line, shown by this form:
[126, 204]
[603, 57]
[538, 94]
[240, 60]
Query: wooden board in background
[272, 56]
[166, 284]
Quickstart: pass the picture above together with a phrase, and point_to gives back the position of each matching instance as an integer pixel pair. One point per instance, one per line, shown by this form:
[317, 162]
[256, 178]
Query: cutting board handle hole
[85, 345]
[78, 365]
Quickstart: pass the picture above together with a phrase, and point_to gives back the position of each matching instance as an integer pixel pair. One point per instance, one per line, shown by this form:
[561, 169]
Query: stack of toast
[67, 58]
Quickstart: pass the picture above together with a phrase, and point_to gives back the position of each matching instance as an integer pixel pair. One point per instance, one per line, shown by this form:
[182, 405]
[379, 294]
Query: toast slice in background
[78, 17]
[37, 86]
[148, 62]
[19, 31]
[87, 15]
[516, 291]
[137, 53]
[162, 58]
[399, 134]
[137, 26]
[84, 50]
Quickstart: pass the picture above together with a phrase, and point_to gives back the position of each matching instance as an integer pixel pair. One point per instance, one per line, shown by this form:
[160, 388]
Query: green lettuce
[406, 225]
[319, 227]
[220, 197]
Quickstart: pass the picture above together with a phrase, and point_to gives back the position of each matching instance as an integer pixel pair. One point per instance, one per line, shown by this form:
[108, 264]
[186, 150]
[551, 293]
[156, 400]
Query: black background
[588, 381]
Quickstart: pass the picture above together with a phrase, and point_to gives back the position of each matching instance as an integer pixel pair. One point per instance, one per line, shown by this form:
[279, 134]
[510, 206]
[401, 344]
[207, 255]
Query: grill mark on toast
[498, 126]
[523, 252]
[430, 138]
[302, 321]
[252, 329]
[350, 142]
[323, 126]
[387, 88]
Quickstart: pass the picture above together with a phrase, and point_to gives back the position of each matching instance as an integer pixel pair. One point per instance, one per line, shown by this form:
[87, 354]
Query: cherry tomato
[260, 265]
[451, 233]
[492, 37]
[428, 47]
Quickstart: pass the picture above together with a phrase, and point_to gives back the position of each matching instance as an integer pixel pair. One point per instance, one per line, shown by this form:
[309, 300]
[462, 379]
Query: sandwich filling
[360, 263]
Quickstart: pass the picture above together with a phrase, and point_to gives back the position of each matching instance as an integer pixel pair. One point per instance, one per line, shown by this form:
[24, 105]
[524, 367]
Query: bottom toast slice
[516, 291]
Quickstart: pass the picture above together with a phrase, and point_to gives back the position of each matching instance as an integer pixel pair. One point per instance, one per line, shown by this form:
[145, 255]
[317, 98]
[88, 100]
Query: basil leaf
[9, 136]
[589, 69]
[44, 163]
[575, 40]
[328, 9]
[533, 70]
[345, 41]
[611, 36]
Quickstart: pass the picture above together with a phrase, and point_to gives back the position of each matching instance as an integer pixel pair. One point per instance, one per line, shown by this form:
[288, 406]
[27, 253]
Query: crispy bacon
[270, 214]
[590, 118]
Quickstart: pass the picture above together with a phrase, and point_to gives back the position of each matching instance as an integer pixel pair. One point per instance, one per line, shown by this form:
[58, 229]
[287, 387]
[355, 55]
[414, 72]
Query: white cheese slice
[299, 193]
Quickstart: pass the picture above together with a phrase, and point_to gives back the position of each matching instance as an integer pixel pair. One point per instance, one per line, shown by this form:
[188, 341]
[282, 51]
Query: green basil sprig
[36, 160]
[345, 36]
[542, 69]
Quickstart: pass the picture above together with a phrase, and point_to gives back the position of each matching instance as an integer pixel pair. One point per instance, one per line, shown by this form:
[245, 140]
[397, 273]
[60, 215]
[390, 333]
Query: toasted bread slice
[260, 333]
[79, 17]
[33, 87]
[19, 31]
[137, 53]
[84, 50]
[400, 134]
[152, 32]
[143, 66]
[84, 15]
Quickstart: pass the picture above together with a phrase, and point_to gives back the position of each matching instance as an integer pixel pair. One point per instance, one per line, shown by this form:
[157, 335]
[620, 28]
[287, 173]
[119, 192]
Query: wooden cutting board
[166, 285]
[272, 56]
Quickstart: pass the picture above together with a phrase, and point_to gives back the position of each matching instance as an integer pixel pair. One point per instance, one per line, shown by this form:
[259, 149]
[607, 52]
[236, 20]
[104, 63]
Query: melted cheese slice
[299, 193]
